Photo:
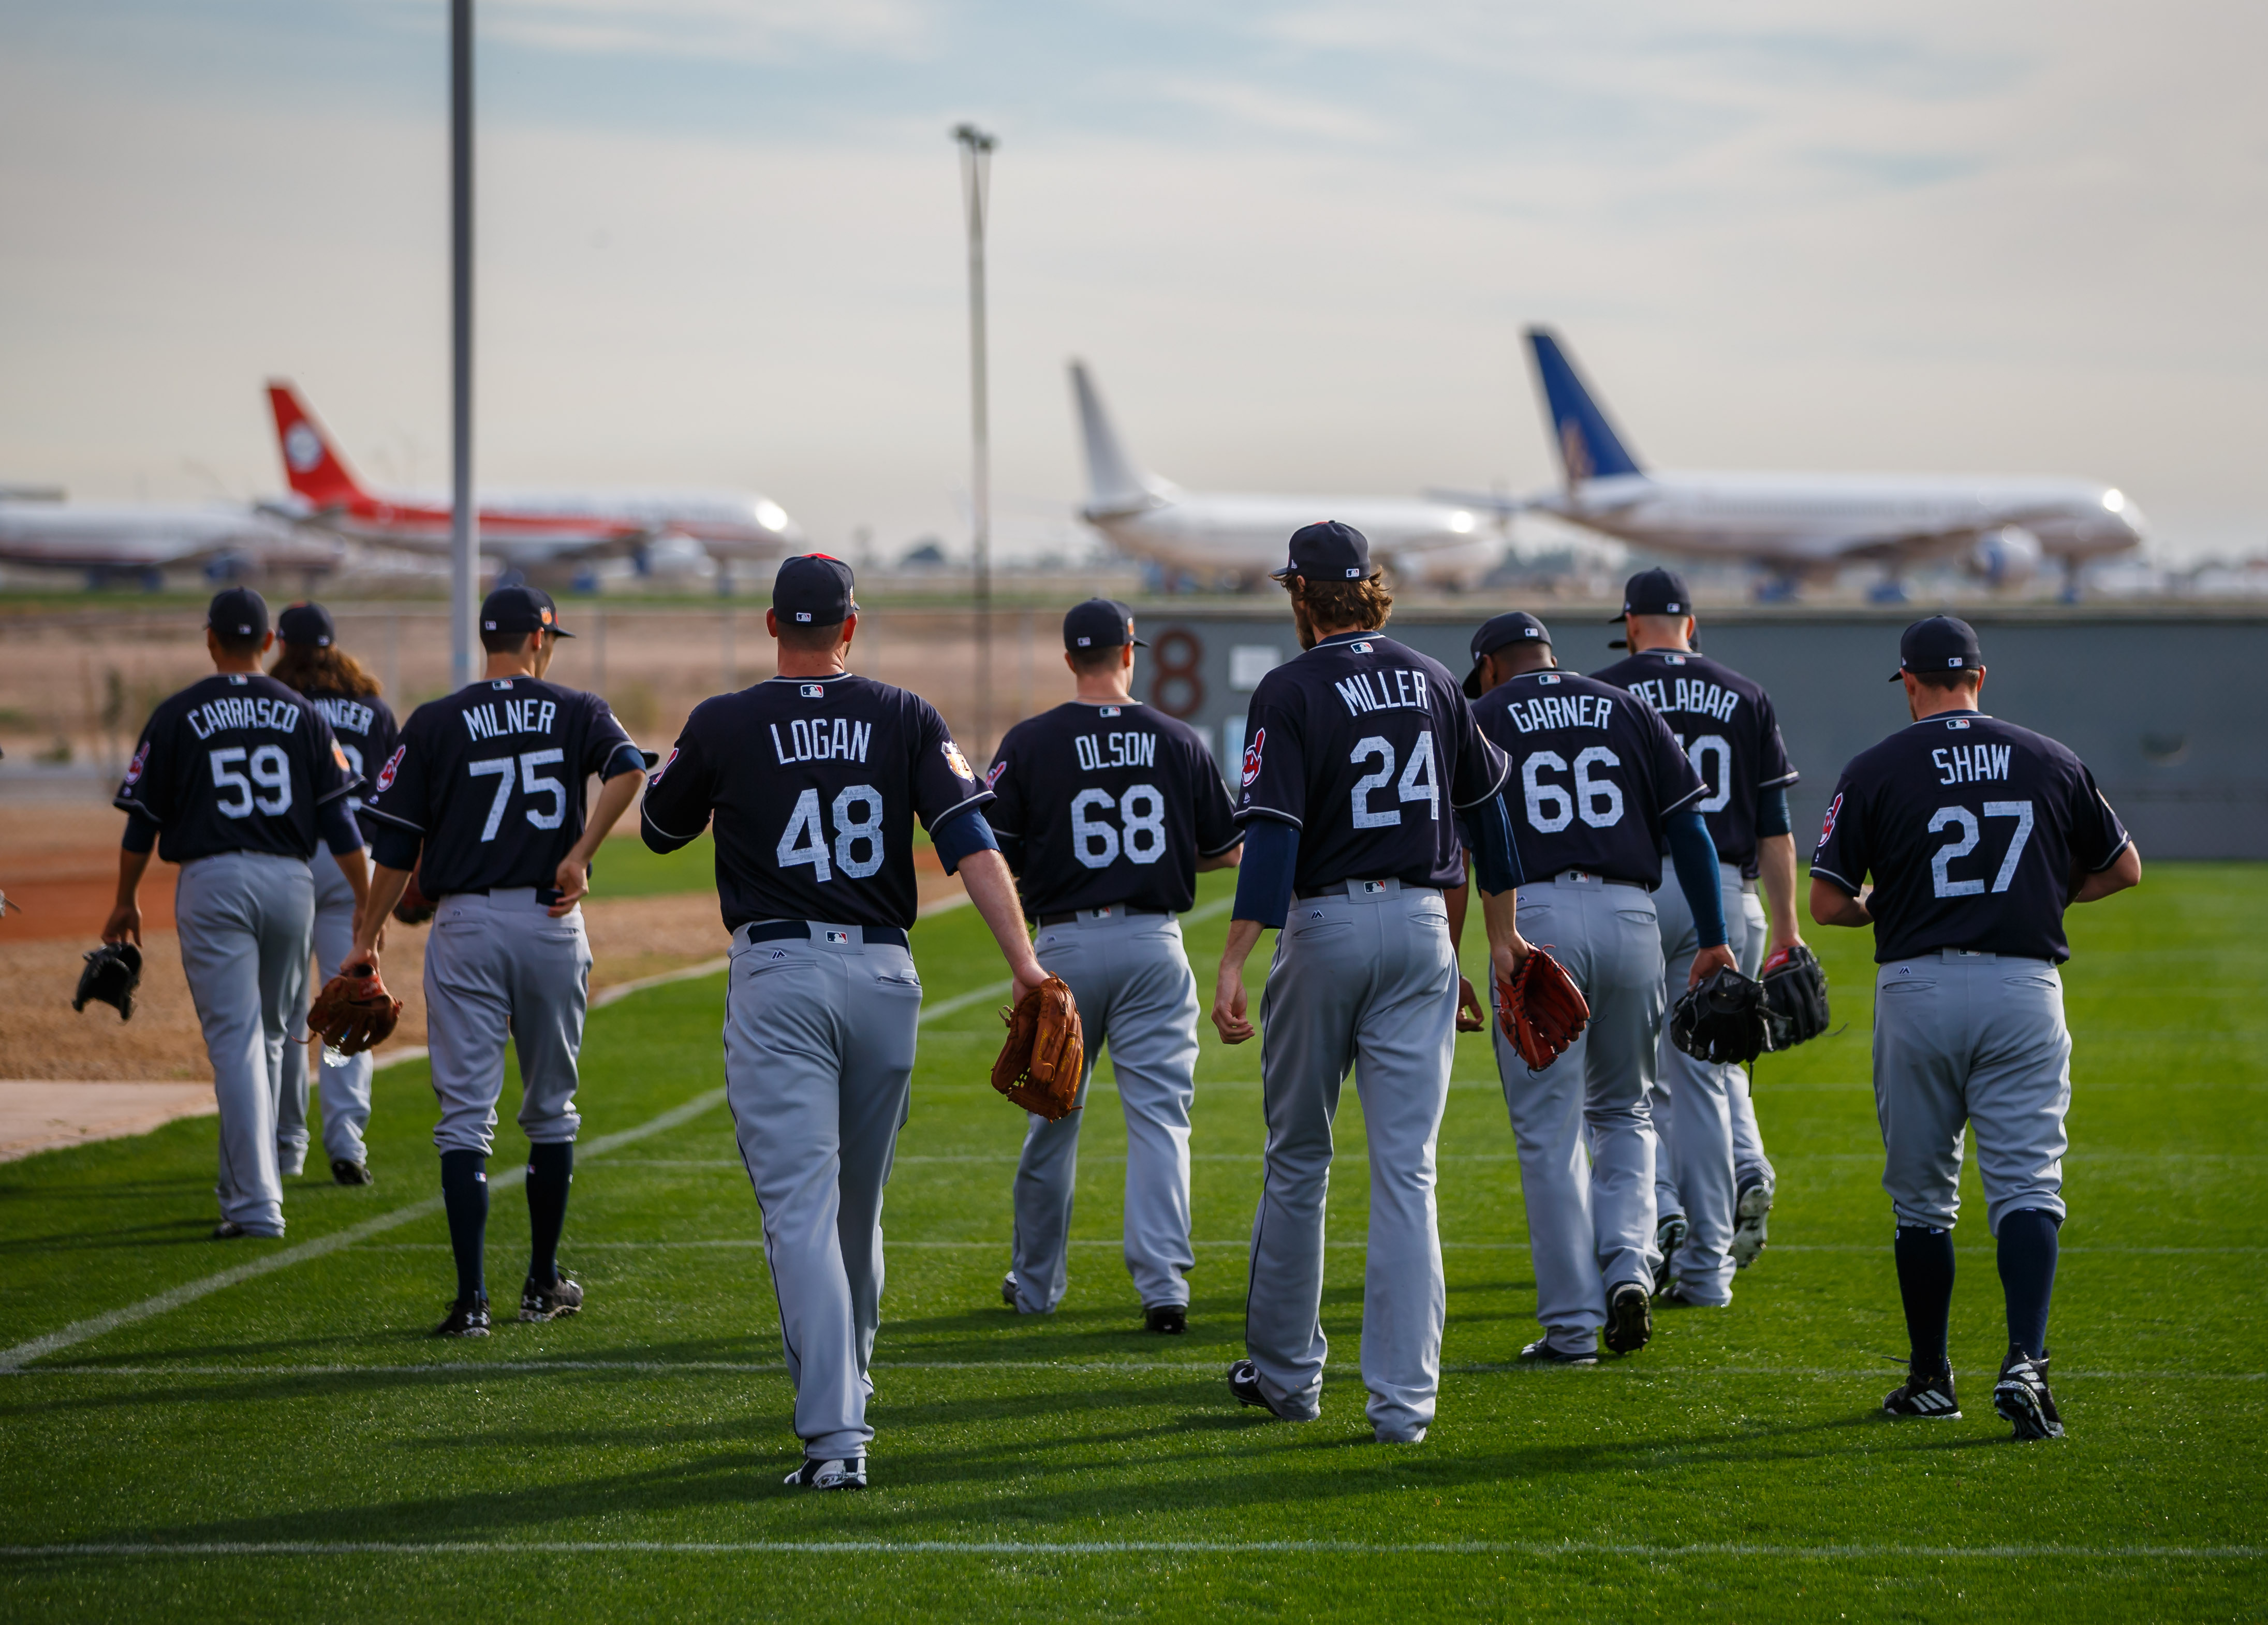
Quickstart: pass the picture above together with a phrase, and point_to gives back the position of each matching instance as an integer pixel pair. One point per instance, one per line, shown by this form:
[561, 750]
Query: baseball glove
[1041, 1065]
[112, 972]
[354, 1012]
[1724, 1021]
[1795, 997]
[414, 908]
[1542, 1009]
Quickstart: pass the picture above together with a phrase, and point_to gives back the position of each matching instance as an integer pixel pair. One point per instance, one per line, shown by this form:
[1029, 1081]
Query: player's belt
[1071, 917]
[782, 930]
[1579, 875]
[1357, 888]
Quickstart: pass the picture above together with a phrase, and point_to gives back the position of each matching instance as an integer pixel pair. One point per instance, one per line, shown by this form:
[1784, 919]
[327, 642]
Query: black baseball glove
[1795, 997]
[1723, 1021]
[112, 972]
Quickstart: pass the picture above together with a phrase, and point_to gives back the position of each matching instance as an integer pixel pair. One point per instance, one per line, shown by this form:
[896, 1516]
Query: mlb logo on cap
[1328, 550]
[1941, 643]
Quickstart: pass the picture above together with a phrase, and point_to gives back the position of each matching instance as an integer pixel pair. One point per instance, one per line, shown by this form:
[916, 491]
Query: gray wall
[2157, 702]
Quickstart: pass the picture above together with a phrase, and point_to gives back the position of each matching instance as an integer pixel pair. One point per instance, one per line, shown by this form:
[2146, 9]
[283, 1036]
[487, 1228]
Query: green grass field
[292, 1443]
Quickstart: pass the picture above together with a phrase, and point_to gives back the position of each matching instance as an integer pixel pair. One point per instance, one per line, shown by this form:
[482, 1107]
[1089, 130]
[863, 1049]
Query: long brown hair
[313, 670]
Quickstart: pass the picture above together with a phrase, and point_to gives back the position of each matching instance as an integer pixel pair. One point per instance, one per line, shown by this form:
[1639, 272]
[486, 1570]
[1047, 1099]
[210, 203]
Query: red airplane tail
[315, 470]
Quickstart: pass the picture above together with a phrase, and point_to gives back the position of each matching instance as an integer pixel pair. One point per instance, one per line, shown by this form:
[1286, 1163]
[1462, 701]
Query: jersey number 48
[858, 849]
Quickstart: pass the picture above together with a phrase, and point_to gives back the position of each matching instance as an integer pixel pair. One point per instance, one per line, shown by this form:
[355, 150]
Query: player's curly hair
[1363, 604]
[314, 671]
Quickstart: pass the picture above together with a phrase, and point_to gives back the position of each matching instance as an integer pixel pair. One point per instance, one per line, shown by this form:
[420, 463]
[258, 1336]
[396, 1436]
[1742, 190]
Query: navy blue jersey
[236, 763]
[1728, 728]
[1595, 772]
[815, 784]
[490, 779]
[1367, 748]
[365, 729]
[1102, 804]
[1975, 832]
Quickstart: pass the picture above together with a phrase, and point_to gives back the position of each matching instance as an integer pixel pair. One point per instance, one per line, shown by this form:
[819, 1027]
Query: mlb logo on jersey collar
[812, 690]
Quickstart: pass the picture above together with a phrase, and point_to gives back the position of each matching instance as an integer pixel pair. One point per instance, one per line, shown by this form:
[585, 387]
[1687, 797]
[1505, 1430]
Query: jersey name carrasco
[236, 763]
[815, 784]
[1595, 772]
[365, 729]
[1368, 749]
[1104, 804]
[491, 778]
[1728, 730]
[1971, 828]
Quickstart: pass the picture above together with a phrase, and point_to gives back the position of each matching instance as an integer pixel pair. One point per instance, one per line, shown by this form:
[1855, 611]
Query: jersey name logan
[1098, 751]
[517, 716]
[1970, 763]
[822, 739]
[218, 716]
[1388, 688]
[1696, 695]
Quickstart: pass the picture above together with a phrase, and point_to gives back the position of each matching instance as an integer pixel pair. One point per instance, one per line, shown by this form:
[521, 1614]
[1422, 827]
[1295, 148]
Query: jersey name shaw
[241, 711]
[1970, 763]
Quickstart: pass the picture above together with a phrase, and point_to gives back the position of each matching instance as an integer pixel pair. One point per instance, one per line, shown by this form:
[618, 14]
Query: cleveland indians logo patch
[1834, 809]
[664, 768]
[392, 766]
[1252, 757]
[992, 778]
[140, 760]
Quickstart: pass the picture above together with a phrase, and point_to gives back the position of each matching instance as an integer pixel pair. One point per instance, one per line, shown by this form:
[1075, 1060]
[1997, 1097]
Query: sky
[720, 244]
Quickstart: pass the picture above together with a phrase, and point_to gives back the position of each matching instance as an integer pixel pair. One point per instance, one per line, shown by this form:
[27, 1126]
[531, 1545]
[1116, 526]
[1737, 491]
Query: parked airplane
[1807, 525]
[139, 540]
[1235, 539]
[528, 531]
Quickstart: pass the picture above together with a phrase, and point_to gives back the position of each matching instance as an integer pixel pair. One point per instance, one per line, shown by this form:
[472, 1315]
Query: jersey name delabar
[1690, 694]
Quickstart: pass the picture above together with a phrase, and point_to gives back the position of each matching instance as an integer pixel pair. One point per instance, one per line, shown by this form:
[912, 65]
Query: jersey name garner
[491, 718]
[1393, 687]
[1549, 711]
[1689, 694]
[822, 739]
[1970, 764]
[1097, 751]
[230, 712]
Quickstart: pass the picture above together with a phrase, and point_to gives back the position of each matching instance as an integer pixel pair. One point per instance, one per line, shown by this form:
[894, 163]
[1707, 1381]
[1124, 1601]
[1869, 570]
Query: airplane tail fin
[1588, 447]
[1111, 476]
[315, 470]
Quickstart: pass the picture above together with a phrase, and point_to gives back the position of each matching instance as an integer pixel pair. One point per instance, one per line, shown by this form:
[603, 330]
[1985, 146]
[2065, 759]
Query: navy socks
[464, 1194]
[2028, 1268]
[1925, 1282]
[550, 1171]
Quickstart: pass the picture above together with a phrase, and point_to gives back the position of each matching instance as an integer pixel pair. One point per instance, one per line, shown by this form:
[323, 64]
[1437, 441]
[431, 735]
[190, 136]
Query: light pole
[975, 178]
[464, 558]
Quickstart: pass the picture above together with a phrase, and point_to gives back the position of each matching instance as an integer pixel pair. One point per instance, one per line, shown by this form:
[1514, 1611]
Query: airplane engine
[2009, 557]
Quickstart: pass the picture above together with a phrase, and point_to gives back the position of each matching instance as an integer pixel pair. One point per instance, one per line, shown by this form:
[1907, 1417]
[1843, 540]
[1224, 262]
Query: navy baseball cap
[520, 609]
[1939, 644]
[1099, 623]
[237, 612]
[1328, 550]
[1517, 627]
[813, 589]
[308, 624]
[1656, 592]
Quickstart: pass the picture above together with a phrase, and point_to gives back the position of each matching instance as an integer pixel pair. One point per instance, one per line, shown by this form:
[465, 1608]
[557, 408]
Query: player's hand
[1470, 1016]
[125, 925]
[573, 882]
[1229, 1006]
[1709, 961]
[369, 958]
[1024, 980]
[1778, 955]
[1505, 959]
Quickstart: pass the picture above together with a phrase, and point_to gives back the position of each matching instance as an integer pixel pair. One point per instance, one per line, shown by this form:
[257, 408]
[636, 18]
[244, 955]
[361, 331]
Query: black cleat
[1173, 1320]
[1669, 1237]
[1923, 1399]
[836, 1475]
[2022, 1396]
[468, 1316]
[1750, 1215]
[228, 1230]
[344, 1173]
[563, 1297]
[1542, 1353]
[1244, 1382]
[1630, 1321]
[1008, 1290]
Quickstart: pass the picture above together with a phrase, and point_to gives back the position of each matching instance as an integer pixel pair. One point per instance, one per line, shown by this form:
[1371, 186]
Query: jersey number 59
[857, 853]
[270, 771]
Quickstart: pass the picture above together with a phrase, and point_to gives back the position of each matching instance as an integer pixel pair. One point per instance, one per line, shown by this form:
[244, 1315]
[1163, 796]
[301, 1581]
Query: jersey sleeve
[1009, 807]
[401, 793]
[331, 774]
[1774, 771]
[1482, 768]
[2097, 838]
[1841, 858]
[944, 784]
[148, 788]
[1274, 781]
[1677, 780]
[1216, 828]
[678, 794]
[385, 735]
[607, 749]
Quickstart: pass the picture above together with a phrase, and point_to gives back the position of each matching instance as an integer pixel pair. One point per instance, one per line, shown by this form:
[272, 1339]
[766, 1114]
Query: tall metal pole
[975, 178]
[464, 558]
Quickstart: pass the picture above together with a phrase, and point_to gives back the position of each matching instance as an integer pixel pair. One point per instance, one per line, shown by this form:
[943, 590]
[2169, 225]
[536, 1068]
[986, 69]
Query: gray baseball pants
[344, 1089]
[498, 970]
[1130, 977]
[1584, 1124]
[1703, 1115]
[1365, 979]
[1979, 1039]
[819, 1055]
[244, 919]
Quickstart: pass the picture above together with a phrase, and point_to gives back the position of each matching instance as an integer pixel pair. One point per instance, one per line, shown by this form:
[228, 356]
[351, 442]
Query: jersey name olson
[1098, 751]
[492, 719]
[217, 716]
[1694, 695]
[821, 739]
[1970, 763]
[1544, 712]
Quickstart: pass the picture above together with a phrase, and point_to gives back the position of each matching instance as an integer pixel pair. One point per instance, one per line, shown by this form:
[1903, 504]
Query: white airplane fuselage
[1217, 536]
[143, 536]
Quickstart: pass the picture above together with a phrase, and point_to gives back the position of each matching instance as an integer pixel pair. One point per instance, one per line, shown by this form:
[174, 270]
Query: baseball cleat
[291, 1167]
[344, 1173]
[1630, 1320]
[563, 1297]
[1542, 1353]
[228, 1230]
[1244, 1382]
[2022, 1396]
[1669, 1237]
[1008, 1289]
[468, 1317]
[1173, 1320]
[1749, 1216]
[1923, 1399]
[835, 1474]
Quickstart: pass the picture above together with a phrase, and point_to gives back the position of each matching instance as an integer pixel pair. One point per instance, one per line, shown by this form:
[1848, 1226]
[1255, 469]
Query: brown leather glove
[1542, 1009]
[354, 1012]
[1041, 1065]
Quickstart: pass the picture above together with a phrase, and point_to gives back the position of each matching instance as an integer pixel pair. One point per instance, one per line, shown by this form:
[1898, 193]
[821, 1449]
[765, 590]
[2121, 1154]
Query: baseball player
[482, 798]
[1713, 1183]
[1106, 810]
[814, 779]
[1600, 790]
[1358, 753]
[347, 697]
[235, 778]
[1979, 834]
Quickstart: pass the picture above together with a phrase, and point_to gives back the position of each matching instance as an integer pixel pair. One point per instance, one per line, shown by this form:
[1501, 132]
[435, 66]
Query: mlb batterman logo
[140, 760]
[1252, 755]
[957, 762]
[392, 766]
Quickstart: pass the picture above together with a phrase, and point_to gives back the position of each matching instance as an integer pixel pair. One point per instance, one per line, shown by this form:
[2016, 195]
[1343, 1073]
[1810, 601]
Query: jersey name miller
[1696, 695]
[1543, 712]
[1970, 763]
[822, 739]
[492, 718]
[1097, 751]
[1395, 688]
[217, 716]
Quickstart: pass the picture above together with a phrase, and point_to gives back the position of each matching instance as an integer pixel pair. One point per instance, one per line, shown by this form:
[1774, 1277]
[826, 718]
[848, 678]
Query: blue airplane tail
[1588, 447]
